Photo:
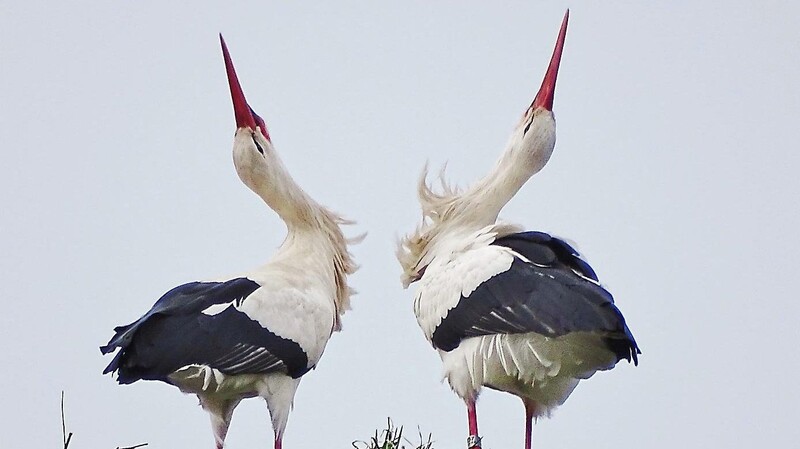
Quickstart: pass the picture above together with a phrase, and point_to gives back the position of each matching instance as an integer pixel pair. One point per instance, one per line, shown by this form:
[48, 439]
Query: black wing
[554, 295]
[545, 250]
[176, 333]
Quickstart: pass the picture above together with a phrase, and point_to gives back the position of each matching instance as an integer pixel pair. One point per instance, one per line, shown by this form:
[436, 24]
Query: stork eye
[528, 126]
[258, 146]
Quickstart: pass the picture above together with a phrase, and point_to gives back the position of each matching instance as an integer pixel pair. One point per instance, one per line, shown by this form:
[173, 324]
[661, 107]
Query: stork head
[252, 145]
[535, 134]
[452, 211]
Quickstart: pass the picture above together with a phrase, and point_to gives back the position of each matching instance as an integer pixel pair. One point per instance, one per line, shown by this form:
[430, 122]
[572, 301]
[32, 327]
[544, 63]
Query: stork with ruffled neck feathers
[258, 333]
[514, 311]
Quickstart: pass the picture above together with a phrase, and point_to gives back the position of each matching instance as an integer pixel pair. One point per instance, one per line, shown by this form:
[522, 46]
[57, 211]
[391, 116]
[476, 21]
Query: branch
[133, 447]
[65, 437]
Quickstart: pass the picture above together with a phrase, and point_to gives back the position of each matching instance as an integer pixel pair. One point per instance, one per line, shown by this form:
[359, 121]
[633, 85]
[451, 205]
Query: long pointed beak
[544, 99]
[244, 118]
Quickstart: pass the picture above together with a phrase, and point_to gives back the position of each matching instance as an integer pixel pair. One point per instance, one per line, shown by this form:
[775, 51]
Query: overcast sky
[675, 171]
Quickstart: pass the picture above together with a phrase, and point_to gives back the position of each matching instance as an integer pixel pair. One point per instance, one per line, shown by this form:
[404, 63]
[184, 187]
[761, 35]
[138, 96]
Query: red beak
[544, 99]
[244, 118]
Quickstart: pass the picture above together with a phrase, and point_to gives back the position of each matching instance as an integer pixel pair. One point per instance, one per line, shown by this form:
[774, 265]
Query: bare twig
[66, 438]
[392, 438]
[133, 447]
[422, 443]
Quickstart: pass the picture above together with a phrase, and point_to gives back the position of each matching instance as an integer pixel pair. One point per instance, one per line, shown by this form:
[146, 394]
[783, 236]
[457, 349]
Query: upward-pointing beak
[544, 99]
[244, 117]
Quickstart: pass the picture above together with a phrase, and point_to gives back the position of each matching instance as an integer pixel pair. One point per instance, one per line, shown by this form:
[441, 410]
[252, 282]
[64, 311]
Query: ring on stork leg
[473, 442]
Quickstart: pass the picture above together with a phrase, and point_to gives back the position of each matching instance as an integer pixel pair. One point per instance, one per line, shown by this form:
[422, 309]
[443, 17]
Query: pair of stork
[514, 311]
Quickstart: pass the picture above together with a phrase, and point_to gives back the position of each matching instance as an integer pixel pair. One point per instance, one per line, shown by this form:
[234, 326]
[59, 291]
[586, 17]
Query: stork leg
[278, 392]
[221, 412]
[473, 440]
[530, 412]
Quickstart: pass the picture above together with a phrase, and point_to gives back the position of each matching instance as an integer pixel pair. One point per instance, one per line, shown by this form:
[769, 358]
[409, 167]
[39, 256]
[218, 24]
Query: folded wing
[548, 289]
[199, 324]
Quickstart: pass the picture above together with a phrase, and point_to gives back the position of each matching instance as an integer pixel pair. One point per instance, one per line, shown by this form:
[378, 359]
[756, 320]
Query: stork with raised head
[256, 334]
[514, 311]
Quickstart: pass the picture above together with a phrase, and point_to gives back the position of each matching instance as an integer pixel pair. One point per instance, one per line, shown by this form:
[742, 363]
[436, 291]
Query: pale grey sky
[674, 171]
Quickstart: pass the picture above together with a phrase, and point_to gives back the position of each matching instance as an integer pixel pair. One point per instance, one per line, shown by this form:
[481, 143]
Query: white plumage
[256, 334]
[457, 272]
[519, 312]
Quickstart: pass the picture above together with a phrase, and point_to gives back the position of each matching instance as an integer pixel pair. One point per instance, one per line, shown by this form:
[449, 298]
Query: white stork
[514, 311]
[256, 334]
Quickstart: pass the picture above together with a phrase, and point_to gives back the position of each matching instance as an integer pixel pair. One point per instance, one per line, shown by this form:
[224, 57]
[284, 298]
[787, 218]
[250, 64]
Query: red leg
[473, 441]
[278, 442]
[530, 411]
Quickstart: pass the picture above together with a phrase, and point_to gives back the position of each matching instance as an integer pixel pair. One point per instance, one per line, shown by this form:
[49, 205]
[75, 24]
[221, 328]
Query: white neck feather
[314, 237]
[525, 155]
[268, 178]
[476, 208]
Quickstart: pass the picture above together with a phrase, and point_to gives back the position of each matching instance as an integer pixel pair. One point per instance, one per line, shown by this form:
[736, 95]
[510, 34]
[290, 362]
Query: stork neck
[269, 179]
[488, 196]
[321, 249]
[283, 195]
[306, 246]
[526, 154]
